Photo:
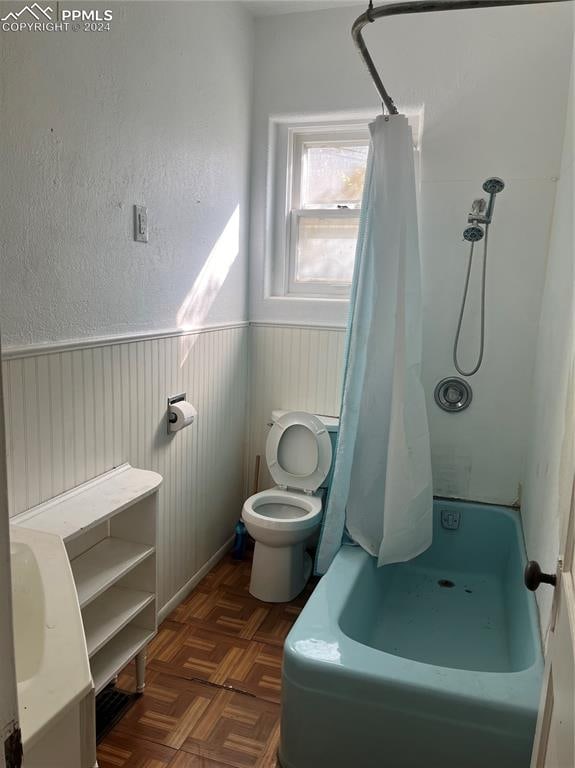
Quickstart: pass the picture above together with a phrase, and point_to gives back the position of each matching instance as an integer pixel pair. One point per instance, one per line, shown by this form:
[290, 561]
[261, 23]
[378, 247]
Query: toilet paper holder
[171, 415]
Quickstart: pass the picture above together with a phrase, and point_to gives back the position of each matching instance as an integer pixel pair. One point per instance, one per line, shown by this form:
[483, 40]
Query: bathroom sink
[28, 610]
[52, 668]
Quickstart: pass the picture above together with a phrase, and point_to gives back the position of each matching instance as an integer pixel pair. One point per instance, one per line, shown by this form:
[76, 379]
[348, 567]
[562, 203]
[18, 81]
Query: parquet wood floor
[213, 682]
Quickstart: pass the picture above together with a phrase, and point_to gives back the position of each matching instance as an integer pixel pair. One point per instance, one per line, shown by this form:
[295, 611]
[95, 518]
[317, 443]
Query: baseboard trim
[52, 348]
[182, 593]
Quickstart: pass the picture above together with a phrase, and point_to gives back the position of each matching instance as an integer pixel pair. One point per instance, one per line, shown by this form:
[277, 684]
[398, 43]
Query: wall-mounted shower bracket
[477, 214]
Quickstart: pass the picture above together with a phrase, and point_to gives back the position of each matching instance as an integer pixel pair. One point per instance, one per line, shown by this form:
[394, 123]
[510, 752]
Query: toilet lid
[298, 451]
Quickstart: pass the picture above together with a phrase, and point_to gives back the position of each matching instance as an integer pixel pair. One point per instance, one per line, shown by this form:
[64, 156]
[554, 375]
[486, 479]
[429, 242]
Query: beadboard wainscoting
[72, 414]
[291, 368]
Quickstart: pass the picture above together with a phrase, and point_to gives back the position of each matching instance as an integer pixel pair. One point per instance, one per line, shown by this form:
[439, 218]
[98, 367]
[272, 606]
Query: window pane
[333, 175]
[326, 249]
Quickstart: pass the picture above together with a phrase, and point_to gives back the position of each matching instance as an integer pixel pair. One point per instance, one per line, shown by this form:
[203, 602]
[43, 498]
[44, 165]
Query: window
[317, 220]
[327, 176]
[315, 178]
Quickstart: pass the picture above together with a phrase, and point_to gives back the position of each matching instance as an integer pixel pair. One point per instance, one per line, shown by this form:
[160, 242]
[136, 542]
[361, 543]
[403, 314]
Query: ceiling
[276, 7]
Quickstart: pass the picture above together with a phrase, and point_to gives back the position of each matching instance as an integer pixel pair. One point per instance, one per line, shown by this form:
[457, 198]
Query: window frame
[292, 140]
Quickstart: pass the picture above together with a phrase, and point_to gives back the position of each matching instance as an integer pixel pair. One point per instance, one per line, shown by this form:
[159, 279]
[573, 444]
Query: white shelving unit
[109, 527]
[105, 617]
[103, 565]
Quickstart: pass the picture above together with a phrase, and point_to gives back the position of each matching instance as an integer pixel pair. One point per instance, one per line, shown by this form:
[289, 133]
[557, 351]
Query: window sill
[297, 297]
[305, 311]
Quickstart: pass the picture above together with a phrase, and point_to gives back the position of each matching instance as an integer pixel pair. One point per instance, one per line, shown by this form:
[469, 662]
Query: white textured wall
[549, 466]
[74, 414]
[157, 112]
[476, 78]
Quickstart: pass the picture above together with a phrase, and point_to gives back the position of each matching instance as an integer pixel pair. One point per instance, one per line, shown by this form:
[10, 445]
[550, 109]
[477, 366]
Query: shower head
[493, 185]
[473, 233]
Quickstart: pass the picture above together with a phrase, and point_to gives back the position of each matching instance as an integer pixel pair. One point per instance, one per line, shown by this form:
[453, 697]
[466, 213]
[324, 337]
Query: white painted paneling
[291, 368]
[75, 414]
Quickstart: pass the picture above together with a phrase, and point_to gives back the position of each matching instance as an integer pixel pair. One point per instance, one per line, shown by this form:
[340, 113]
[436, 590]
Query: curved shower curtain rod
[416, 6]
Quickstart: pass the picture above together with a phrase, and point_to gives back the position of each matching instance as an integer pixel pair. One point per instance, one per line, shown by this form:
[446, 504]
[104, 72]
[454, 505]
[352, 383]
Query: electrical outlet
[140, 224]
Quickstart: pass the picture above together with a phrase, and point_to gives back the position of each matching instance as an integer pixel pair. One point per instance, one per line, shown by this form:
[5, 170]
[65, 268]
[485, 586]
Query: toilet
[282, 519]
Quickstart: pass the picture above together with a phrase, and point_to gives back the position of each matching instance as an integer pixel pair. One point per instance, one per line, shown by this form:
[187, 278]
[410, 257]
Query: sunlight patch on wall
[196, 306]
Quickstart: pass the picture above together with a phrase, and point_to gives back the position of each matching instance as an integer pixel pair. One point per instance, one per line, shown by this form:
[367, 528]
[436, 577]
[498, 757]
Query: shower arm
[417, 6]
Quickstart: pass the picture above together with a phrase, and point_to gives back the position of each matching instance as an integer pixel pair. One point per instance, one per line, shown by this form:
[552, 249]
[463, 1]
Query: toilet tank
[332, 425]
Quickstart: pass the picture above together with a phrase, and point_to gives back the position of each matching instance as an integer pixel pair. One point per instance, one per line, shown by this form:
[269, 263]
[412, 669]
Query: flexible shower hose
[462, 311]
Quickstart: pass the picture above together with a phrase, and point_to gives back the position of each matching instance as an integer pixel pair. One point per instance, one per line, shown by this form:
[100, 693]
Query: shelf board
[103, 565]
[77, 511]
[117, 653]
[110, 613]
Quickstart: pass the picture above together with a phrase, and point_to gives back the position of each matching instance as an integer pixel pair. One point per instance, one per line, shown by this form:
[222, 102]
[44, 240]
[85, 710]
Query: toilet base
[279, 573]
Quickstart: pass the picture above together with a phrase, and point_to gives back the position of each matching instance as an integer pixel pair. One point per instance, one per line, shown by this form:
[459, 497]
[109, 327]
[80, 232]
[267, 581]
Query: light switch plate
[140, 224]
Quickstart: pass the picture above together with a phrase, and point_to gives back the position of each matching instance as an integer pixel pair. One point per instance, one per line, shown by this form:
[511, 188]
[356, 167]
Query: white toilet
[282, 519]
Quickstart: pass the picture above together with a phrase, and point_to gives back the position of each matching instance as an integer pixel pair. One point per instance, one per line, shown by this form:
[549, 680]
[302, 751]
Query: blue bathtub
[434, 663]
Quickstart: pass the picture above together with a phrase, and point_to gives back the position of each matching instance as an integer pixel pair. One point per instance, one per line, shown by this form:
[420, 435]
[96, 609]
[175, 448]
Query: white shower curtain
[381, 490]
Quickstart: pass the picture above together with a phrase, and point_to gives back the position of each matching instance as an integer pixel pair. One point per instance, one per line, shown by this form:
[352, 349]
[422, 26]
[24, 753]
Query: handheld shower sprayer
[480, 216]
[493, 186]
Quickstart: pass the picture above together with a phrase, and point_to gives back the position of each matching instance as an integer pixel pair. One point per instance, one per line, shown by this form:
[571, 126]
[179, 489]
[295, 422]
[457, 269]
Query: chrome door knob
[534, 576]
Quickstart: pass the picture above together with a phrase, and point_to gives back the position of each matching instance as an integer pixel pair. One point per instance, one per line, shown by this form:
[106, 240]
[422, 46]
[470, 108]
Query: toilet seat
[298, 451]
[307, 510]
